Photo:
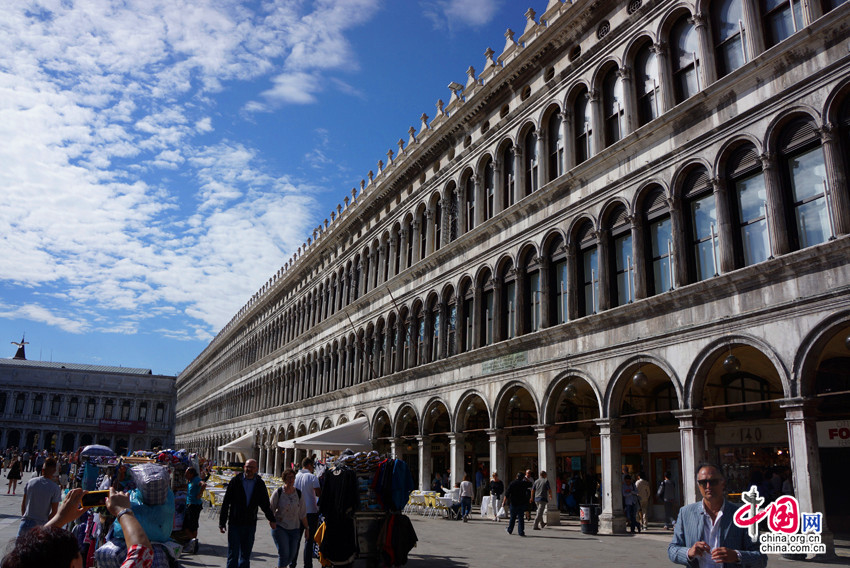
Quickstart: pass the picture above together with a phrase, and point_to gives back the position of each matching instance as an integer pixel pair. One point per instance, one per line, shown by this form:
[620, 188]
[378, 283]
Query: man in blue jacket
[706, 536]
[245, 493]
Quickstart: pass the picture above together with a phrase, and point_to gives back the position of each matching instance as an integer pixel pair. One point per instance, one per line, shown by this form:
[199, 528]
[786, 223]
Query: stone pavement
[450, 544]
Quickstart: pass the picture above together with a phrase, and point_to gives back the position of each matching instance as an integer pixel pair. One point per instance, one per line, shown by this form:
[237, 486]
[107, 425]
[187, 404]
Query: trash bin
[589, 519]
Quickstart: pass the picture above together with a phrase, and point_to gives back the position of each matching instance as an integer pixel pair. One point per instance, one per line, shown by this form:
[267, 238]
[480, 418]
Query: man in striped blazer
[705, 535]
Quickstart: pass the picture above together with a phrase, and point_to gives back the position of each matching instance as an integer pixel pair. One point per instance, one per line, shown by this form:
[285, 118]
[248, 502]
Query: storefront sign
[123, 426]
[834, 434]
[505, 363]
[751, 435]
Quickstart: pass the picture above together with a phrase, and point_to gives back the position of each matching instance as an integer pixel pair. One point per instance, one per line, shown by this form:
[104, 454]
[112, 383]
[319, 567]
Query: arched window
[683, 54]
[73, 407]
[107, 408]
[508, 176]
[533, 301]
[700, 226]
[509, 300]
[423, 234]
[435, 330]
[588, 271]
[55, 403]
[91, 405]
[37, 404]
[620, 259]
[727, 25]
[647, 83]
[143, 411]
[453, 205]
[739, 388]
[613, 107]
[804, 184]
[557, 283]
[468, 320]
[125, 410]
[659, 244]
[379, 349]
[489, 190]
[421, 335]
[160, 412]
[555, 146]
[404, 322]
[530, 162]
[487, 314]
[438, 223]
[748, 195]
[451, 325]
[19, 403]
[582, 126]
[469, 189]
[782, 18]
[2, 403]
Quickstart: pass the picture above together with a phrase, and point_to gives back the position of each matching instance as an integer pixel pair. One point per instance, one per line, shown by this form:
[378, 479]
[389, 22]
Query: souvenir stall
[363, 494]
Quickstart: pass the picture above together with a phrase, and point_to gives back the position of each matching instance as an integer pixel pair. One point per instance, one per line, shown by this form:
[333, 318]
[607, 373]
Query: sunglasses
[706, 482]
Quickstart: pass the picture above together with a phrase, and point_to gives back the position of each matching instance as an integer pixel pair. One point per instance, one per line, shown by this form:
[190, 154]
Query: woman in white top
[290, 513]
[466, 494]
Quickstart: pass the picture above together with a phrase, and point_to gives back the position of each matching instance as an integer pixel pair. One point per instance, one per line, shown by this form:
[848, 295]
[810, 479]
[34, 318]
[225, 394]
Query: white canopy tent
[352, 435]
[242, 445]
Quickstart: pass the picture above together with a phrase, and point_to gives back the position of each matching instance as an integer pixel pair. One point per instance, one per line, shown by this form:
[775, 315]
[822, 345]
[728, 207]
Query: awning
[352, 435]
[243, 445]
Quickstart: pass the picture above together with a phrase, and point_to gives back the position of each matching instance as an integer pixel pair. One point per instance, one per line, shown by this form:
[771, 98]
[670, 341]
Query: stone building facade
[620, 246]
[62, 406]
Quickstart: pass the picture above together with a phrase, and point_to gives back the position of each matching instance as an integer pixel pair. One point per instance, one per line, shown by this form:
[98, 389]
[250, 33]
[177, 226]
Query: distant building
[621, 246]
[61, 406]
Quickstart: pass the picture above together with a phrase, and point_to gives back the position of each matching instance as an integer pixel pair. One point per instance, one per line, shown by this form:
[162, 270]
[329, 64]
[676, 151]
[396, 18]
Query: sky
[160, 160]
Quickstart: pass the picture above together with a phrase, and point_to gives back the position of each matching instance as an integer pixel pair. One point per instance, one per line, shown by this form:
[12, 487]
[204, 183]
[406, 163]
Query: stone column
[693, 451]
[548, 297]
[839, 200]
[278, 459]
[572, 285]
[597, 138]
[270, 458]
[417, 240]
[542, 161]
[403, 246]
[677, 227]
[725, 235]
[775, 208]
[396, 445]
[707, 70]
[612, 520]
[425, 473]
[665, 81]
[373, 267]
[638, 261]
[462, 211]
[499, 454]
[569, 139]
[429, 241]
[480, 200]
[498, 312]
[604, 273]
[382, 263]
[445, 223]
[392, 256]
[519, 173]
[456, 455]
[261, 459]
[629, 118]
[805, 461]
[547, 462]
[498, 187]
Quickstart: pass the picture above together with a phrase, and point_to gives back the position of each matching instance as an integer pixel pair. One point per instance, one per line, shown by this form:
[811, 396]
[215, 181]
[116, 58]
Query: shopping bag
[502, 513]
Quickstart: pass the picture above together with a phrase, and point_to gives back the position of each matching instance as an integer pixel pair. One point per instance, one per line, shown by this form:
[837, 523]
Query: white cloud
[454, 14]
[102, 105]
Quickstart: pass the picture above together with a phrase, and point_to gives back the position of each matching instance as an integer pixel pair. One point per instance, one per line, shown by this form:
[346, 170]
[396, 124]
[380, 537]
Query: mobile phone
[94, 499]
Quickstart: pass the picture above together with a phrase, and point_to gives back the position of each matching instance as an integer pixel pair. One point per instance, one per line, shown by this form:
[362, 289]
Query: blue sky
[161, 159]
